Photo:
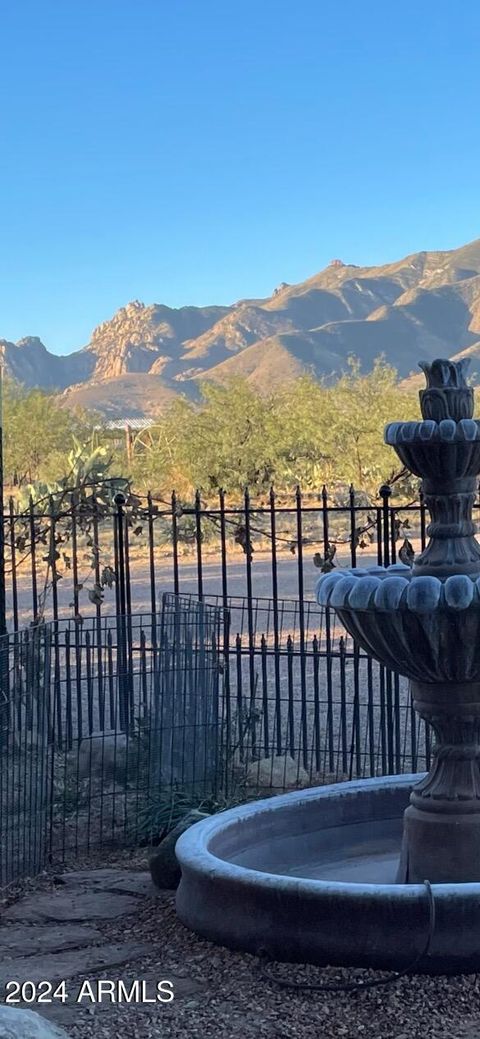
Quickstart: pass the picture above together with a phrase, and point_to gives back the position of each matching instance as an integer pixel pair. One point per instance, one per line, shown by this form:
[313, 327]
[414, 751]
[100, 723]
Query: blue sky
[201, 151]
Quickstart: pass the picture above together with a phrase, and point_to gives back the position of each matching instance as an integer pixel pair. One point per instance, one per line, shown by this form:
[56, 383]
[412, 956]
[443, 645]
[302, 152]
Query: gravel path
[217, 993]
[234, 1002]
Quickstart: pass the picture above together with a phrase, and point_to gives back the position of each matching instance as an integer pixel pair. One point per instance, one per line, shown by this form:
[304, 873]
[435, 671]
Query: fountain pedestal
[441, 838]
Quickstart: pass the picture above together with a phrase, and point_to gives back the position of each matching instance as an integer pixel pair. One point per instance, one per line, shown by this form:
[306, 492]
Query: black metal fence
[92, 747]
[175, 653]
[75, 558]
[107, 731]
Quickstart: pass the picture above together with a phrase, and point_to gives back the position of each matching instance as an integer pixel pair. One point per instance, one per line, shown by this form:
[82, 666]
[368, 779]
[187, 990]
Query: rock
[70, 964]
[32, 939]
[273, 775]
[63, 906]
[103, 757]
[126, 881]
[93, 879]
[26, 1024]
[164, 867]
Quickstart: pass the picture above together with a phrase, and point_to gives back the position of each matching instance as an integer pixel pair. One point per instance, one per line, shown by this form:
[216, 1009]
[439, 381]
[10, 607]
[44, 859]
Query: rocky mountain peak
[31, 343]
[425, 305]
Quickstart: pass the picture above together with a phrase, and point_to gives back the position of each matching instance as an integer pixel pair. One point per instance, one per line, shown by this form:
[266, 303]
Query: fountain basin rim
[193, 853]
[307, 919]
[389, 589]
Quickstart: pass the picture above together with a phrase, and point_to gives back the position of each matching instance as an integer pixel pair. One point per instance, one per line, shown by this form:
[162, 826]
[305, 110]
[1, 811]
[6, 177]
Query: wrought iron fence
[110, 673]
[177, 653]
[301, 696]
[82, 557]
[109, 729]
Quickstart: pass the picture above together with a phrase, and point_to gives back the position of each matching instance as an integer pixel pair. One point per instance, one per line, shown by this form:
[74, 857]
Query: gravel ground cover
[222, 994]
[234, 1001]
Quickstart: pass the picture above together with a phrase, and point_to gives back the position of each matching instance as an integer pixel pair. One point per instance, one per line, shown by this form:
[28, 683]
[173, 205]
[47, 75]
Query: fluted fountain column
[441, 839]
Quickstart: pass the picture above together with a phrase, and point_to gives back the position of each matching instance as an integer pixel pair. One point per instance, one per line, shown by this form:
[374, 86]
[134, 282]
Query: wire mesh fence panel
[26, 753]
[139, 723]
[185, 724]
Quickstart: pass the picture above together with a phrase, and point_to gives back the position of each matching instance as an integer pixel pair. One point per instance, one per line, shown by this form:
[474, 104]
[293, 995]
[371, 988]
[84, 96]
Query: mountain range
[424, 306]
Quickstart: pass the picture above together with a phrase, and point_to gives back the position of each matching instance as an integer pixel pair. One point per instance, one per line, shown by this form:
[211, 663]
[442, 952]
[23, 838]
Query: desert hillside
[424, 306]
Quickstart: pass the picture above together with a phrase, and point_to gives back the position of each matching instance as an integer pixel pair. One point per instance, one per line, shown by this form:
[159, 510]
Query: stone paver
[29, 940]
[47, 936]
[112, 880]
[80, 905]
[68, 963]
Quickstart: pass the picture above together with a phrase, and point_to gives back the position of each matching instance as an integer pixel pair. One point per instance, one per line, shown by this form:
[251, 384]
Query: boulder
[164, 867]
[275, 774]
[26, 1024]
[103, 757]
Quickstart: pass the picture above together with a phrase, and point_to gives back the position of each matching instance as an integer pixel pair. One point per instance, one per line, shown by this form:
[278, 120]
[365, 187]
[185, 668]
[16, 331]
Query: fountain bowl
[247, 885]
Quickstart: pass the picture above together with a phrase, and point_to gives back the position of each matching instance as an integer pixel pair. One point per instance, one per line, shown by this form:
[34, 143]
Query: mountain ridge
[424, 305]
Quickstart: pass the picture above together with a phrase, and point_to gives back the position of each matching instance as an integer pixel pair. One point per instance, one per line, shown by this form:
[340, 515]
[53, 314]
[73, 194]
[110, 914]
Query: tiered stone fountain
[425, 624]
[335, 874]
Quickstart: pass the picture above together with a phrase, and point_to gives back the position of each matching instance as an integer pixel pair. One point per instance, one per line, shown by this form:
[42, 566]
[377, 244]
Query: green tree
[38, 435]
[224, 442]
[309, 433]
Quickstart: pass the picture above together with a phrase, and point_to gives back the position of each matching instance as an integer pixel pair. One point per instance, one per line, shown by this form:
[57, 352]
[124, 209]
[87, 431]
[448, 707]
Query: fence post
[52, 563]
[276, 630]
[301, 616]
[119, 501]
[33, 560]
[13, 555]
[251, 625]
[3, 616]
[4, 670]
[385, 492]
[353, 525]
[328, 639]
[198, 543]
[176, 585]
[226, 702]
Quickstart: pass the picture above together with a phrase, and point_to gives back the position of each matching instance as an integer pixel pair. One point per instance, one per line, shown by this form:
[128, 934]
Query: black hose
[352, 986]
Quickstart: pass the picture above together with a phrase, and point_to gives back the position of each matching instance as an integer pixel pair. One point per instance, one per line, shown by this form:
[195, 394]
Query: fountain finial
[447, 394]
